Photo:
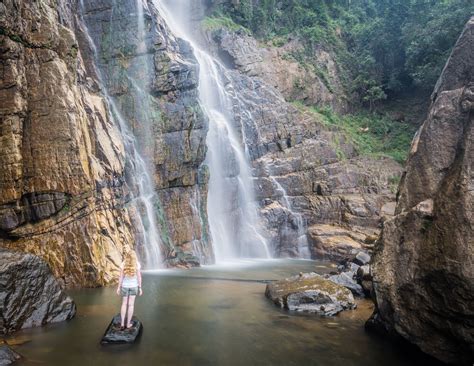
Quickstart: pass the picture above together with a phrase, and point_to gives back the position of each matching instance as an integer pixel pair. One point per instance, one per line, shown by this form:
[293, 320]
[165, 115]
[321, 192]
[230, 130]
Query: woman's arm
[140, 282]
[120, 281]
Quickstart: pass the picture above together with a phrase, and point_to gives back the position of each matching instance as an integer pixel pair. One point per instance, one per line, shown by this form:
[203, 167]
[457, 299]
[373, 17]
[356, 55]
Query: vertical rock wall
[153, 77]
[423, 266]
[63, 179]
[61, 158]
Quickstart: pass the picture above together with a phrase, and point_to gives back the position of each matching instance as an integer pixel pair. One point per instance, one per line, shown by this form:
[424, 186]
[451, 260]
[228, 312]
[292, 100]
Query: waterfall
[232, 209]
[298, 220]
[137, 170]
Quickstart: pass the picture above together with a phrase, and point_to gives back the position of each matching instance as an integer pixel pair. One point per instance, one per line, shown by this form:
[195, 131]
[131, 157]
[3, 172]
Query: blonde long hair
[130, 264]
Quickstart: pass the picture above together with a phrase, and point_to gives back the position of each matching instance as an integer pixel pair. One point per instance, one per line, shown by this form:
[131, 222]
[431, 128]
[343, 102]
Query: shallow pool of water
[216, 315]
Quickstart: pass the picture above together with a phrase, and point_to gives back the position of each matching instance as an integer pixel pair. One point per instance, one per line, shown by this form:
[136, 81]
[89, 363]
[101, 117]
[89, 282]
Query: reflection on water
[191, 318]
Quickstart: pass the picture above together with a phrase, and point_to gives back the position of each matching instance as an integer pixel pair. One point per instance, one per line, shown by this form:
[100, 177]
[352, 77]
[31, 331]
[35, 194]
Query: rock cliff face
[318, 84]
[423, 266]
[61, 158]
[152, 77]
[81, 79]
[65, 192]
[307, 176]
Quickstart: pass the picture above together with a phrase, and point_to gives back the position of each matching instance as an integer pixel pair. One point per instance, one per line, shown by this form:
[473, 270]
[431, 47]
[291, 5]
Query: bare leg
[131, 307]
[123, 311]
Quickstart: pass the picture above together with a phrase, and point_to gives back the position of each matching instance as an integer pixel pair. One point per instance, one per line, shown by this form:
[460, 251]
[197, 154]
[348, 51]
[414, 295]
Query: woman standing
[130, 285]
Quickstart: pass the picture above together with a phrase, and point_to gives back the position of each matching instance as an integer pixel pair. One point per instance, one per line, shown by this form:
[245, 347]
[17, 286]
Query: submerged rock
[423, 263]
[310, 293]
[30, 296]
[7, 355]
[114, 335]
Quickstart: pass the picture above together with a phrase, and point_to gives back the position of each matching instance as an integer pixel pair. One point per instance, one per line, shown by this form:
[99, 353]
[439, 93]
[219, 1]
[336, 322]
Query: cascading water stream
[299, 222]
[294, 230]
[232, 209]
[138, 175]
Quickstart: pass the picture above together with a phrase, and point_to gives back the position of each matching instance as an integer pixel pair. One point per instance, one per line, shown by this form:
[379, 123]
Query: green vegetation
[372, 134]
[220, 21]
[382, 46]
[385, 50]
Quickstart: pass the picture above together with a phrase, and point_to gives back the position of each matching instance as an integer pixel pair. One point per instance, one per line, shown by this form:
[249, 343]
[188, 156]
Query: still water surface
[215, 315]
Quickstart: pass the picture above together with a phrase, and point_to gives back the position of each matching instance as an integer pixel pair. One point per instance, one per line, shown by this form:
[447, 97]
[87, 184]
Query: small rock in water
[7, 355]
[361, 258]
[310, 292]
[346, 279]
[114, 335]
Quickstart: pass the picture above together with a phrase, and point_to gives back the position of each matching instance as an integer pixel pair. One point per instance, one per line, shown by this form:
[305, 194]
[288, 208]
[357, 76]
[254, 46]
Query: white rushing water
[298, 221]
[139, 177]
[232, 211]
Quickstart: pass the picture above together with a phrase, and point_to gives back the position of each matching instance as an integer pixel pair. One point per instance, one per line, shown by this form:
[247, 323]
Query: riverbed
[213, 315]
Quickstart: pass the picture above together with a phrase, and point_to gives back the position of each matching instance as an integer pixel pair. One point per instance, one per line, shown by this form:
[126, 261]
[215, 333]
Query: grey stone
[423, 273]
[362, 258]
[115, 335]
[346, 279]
[310, 293]
[7, 355]
[30, 296]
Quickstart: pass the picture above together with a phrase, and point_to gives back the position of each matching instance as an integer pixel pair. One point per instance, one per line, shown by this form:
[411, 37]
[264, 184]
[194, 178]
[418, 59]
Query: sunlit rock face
[61, 159]
[423, 265]
[63, 179]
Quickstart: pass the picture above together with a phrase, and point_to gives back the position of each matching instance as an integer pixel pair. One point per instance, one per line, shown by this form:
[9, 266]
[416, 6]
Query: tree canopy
[386, 46]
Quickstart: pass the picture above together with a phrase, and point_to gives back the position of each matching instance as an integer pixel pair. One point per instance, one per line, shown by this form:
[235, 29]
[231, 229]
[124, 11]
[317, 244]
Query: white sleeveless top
[130, 281]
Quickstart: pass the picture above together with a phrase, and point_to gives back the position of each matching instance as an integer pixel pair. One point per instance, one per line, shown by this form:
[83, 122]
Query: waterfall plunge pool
[213, 315]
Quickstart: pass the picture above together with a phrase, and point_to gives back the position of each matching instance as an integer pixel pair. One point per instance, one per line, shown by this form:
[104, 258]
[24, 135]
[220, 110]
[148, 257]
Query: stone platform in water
[310, 292]
[113, 334]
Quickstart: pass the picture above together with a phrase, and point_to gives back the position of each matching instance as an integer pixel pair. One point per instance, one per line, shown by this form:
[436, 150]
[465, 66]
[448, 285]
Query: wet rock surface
[30, 296]
[423, 273]
[153, 82]
[64, 177]
[301, 179]
[115, 335]
[62, 185]
[312, 293]
[353, 273]
[7, 355]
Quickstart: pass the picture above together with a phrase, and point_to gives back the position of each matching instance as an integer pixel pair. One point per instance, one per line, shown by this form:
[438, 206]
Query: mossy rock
[310, 293]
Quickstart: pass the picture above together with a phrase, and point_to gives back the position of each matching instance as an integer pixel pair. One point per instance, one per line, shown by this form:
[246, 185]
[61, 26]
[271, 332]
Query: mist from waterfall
[137, 170]
[232, 210]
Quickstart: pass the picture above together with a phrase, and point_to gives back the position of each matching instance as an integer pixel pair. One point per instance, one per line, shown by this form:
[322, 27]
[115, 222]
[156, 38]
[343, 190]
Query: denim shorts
[125, 291]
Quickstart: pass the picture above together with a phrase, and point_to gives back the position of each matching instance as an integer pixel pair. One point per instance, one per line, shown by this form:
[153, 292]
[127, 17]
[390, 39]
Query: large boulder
[310, 293]
[7, 355]
[423, 265]
[30, 296]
